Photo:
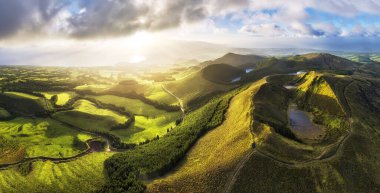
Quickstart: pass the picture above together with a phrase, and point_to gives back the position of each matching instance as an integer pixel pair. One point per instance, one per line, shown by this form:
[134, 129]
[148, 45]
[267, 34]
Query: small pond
[302, 124]
[248, 70]
[289, 87]
[236, 79]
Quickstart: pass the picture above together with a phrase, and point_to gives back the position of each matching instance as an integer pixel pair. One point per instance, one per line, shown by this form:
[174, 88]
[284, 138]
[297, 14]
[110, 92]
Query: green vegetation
[160, 155]
[270, 107]
[194, 86]
[87, 116]
[4, 114]
[145, 128]
[42, 137]
[134, 106]
[60, 98]
[237, 60]
[22, 103]
[83, 174]
[221, 73]
[232, 137]
[93, 87]
[329, 172]
[212, 160]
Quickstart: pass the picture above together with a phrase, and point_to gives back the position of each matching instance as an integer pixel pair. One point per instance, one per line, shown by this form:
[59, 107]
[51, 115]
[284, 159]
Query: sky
[40, 31]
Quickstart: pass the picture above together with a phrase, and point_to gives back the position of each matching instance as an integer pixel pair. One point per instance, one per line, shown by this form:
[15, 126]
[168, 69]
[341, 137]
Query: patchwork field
[83, 174]
[41, 137]
[135, 106]
[195, 129]
[62, 97]
[145, 128]
[22, 103]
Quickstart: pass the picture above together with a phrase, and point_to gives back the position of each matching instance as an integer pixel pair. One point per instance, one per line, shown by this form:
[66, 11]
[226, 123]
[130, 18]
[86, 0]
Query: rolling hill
[222, 73]
[236, 60]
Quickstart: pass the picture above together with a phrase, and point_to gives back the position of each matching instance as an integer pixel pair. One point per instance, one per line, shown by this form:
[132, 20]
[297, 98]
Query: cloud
[302, 18]
[31, 16]
[104, 18]
[266, 30]
[12, 15]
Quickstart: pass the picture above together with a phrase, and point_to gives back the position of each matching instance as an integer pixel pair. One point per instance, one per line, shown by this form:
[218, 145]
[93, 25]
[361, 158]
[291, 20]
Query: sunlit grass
[62, 97]
[209, 163]
[84, 174]
[148, 128]
[43, 137]
[87, 116]
[135, 106]
[21, 95]
[94, 87]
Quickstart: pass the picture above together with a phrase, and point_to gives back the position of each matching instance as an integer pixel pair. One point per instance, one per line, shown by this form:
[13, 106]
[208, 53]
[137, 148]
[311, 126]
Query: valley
[239, 123]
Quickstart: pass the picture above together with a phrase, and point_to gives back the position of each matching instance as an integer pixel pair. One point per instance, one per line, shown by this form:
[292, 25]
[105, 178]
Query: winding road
[178, 99]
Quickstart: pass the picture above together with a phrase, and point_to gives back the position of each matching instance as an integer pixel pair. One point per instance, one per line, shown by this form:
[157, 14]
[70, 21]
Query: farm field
[87, 116]
[62, 97]
[135, 106]
[42, 137]
[82, 174]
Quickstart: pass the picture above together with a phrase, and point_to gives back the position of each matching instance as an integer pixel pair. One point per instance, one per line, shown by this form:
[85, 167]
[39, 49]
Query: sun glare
[137, 59]
[141, 39]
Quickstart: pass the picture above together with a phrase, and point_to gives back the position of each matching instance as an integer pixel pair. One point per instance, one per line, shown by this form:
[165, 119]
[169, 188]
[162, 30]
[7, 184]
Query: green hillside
[22, 103]
[299, 123]
[222, 73]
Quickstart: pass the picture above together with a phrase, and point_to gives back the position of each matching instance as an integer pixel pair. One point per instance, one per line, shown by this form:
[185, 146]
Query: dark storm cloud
[27, 15]
[12, 15]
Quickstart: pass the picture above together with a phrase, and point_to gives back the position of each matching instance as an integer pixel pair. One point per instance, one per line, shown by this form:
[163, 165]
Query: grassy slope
[135, 106]
[319, 93]
[25, 103]
[237, 60]
[149, 123]
[147, 128]
[4, 113]
[158, 156]
[87, 116]
[221, 73]
[42, 137]
[156, 93]
[94, 87]
[82, 175]
[63, 97]
[151, 91]
[354, 168]
[194, 86]
[213, 158]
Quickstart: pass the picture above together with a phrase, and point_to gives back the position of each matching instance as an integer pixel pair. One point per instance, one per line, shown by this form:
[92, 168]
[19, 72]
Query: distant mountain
[236, 60]
[305, 62]
[324, 61]
[221, 73]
